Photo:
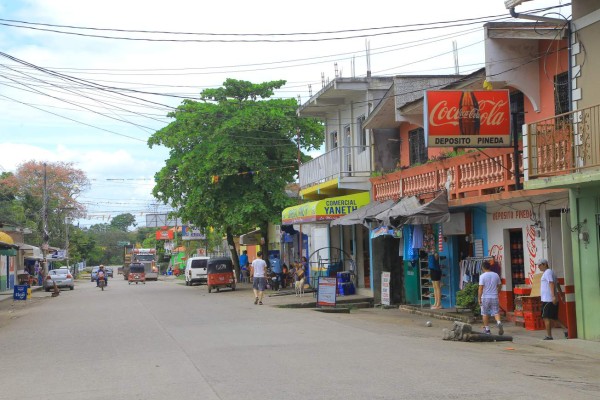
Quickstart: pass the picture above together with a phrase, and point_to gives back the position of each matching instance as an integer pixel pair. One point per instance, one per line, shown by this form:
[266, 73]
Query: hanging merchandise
[470, 269]
[429, 244]
[409, 253]
[417, 237]
[440, 239]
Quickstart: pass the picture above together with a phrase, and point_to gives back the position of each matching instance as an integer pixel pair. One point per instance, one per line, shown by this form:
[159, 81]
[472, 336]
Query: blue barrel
[20, 292]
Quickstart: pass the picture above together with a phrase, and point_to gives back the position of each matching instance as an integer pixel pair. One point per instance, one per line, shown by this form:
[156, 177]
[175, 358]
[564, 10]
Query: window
[347, 136]
[517, 110]
[561, 93]
[362, 132]
[334, 139]
[417, 149]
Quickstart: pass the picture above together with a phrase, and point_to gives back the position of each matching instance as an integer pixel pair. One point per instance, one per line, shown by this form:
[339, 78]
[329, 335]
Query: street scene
[254, 200]
[166, 340]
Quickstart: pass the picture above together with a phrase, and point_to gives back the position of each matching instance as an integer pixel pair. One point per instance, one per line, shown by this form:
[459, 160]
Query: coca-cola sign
[456, 118]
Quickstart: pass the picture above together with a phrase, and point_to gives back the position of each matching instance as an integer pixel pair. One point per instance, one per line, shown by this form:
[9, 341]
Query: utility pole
[45, 226]
[299, 163]
[67, 223]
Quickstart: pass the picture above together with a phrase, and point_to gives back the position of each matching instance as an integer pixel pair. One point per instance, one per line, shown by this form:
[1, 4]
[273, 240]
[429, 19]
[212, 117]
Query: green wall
[584, 205]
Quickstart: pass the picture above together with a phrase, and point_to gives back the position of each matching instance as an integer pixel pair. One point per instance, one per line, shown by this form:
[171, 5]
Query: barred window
[416, 143]
[561, 93]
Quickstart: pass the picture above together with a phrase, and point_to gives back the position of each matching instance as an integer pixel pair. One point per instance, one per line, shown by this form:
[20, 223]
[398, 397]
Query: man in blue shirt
[276, 268]
[243, 265]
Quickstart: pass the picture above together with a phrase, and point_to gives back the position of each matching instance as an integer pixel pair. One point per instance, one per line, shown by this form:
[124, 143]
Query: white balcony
[351, 165]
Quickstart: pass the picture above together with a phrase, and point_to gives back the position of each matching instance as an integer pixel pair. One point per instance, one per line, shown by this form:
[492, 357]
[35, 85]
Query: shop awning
[410, 211]
[7, 246]
[324, 210]
[252, 238]
[367, 212]
[31, 252]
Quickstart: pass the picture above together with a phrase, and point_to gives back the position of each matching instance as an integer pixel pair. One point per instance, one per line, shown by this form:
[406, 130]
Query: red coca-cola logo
[452, 112]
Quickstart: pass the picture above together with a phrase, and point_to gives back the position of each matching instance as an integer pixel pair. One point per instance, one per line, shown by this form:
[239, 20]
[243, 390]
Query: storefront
[525, 231]
[405, 249]
[8, 254]
[29, 261]
[327, 246]
[359, 224]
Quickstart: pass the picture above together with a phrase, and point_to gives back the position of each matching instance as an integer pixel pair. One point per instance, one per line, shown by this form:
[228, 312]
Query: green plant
[467, 298]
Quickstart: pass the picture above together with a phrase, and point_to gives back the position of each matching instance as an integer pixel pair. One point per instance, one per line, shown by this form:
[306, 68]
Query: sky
[67, 94]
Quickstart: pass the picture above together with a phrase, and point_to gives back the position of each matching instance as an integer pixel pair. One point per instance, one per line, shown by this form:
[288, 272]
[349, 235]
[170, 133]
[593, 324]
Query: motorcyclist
[101, 275]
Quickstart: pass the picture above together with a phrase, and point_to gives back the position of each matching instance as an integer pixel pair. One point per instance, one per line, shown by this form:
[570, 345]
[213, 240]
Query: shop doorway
[366, 260]
[517, 257]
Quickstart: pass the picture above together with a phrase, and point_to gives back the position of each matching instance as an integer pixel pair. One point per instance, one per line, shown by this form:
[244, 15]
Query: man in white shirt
[259, 281]
[489, 288]
[550, 292]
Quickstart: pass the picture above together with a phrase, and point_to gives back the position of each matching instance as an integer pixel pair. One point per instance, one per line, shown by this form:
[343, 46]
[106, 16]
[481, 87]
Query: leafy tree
[231, 156]
[63, 183]
[122, 222]
[11, 209]
[82, 245]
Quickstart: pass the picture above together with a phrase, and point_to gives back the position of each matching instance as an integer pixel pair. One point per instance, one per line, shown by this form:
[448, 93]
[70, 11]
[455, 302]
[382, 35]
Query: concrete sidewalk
[286, 298]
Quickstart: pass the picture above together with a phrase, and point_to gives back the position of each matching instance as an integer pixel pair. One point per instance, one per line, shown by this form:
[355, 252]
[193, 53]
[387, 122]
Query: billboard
[191, 233]
[456, 118]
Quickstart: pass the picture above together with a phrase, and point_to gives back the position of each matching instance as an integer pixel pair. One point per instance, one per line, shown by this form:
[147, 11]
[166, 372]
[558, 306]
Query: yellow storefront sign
[324, 210]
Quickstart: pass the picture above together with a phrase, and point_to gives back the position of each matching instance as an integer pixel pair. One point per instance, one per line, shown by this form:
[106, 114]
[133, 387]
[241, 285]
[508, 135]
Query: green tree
[11, 209]
[122, 222]
[63, 183]
[231, 156]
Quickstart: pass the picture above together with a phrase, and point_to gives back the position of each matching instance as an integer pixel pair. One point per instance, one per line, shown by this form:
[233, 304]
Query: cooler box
[346, 289]
[343, 277]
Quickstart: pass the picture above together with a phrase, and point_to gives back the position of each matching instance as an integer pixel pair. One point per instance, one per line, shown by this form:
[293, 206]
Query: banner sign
[164, 235]
[456, 118]
[326, 291]
[385, 288]
[324, 210]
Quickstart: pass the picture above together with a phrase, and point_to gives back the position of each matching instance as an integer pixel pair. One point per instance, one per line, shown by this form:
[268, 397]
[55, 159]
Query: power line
[415, 27]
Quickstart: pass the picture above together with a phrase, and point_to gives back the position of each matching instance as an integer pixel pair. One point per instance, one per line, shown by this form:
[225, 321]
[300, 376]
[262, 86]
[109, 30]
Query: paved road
[164, 340]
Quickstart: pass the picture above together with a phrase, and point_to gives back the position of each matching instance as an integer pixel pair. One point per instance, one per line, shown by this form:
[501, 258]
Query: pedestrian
[259, 279]
[277, 270]
[489, 288]
[244, 266]
[435, 274]
[550, 292]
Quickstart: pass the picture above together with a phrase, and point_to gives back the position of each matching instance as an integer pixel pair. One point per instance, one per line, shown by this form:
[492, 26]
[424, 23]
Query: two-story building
[492, 216]
[337, 182]
[562, 150]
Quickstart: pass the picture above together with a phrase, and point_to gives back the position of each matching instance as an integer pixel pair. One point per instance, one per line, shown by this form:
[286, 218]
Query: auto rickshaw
[220, 273]
[136, 273]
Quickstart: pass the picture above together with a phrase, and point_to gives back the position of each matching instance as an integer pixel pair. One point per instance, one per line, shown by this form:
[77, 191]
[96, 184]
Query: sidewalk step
[439, 314]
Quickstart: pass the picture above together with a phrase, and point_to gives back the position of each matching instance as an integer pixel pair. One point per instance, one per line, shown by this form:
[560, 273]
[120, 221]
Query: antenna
[335, 68]
[368, 51]
[455, 52]
[310, 89]
[322, 79]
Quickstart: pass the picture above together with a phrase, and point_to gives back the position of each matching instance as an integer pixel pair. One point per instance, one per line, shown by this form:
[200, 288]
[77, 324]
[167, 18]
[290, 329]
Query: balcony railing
[563, 144]
[471, 174]
[344, 161]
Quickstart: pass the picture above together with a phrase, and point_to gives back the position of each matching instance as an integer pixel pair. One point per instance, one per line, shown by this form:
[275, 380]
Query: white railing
[344, 161]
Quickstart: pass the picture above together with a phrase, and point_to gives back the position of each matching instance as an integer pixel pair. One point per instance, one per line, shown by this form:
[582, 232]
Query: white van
[195, 270]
